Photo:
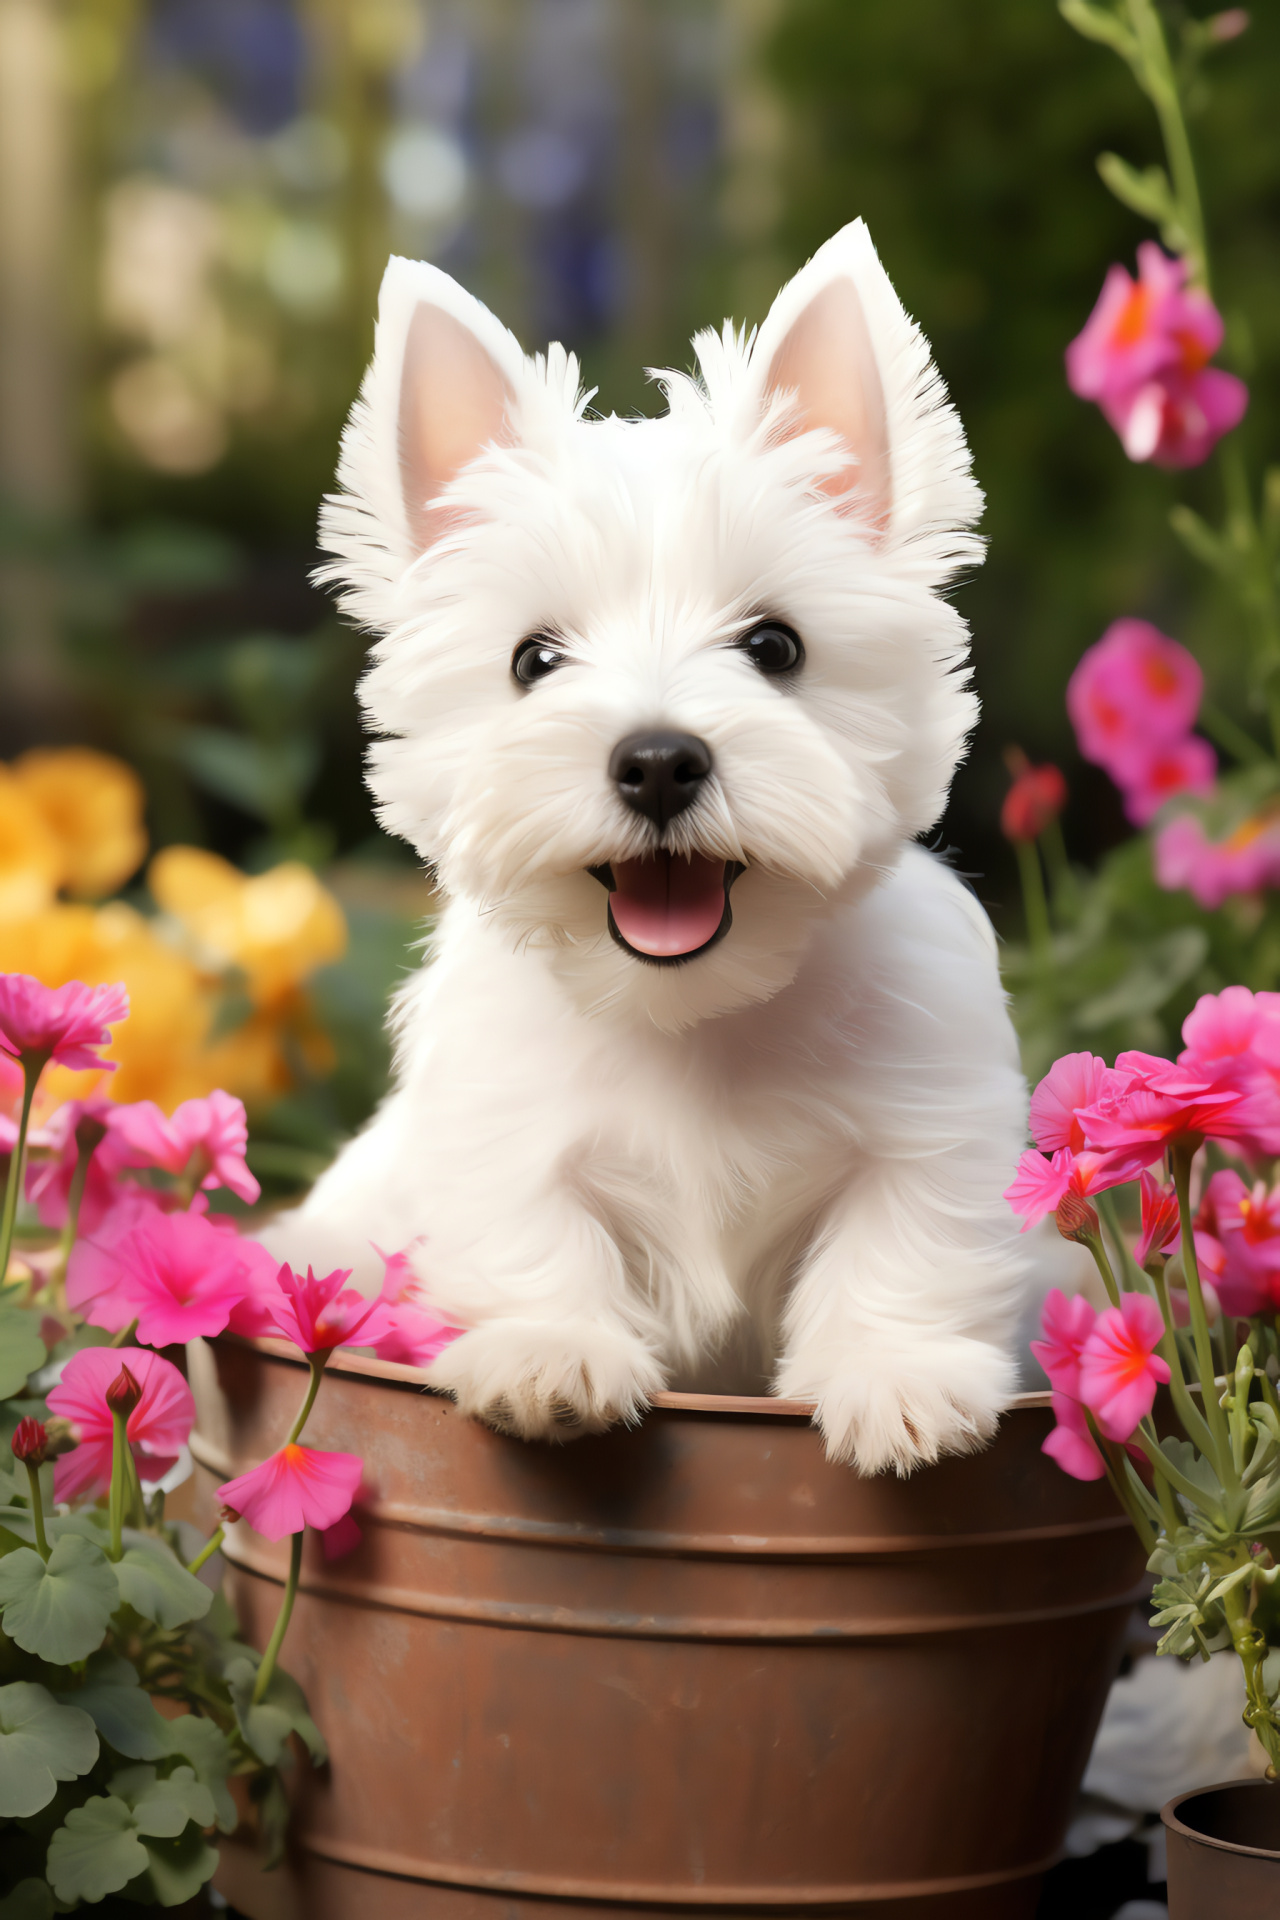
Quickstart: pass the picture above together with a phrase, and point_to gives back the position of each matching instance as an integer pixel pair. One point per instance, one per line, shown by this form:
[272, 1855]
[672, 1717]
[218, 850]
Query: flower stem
[75, 1194]
[1156, 76]
[1094, 1243]
[1180, 1158]
[125, 1336]
[1034, 904]
[37, 1509]
[119, 1476]
[17, 1164]
[317, 1363]
[1193, 1422]
[281, 1626]
[208, 1550]
[1251, 1647]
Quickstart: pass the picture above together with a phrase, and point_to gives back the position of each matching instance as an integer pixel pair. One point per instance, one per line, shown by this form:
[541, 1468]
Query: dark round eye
[534, 659]
[772, 647]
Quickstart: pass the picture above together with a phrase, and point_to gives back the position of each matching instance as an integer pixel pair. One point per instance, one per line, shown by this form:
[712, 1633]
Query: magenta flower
[416, 1333]
[320, 1314]
[1212, 871]
[1071, 1444]
[1074, 1081]
[1234, 1031]
[214, 1129]
[1142, 356]
[1240, 1229]
[1150, 773]
[1041, 1185]
[64, 1024]
[157, 1428]
[1160, 1225]
[176, 1274]
[1119, 1367]
[255, 1312]
[1163, 1104]
[1134, 684]
[296, 1488]
[1066, 1324]
[57, 1150]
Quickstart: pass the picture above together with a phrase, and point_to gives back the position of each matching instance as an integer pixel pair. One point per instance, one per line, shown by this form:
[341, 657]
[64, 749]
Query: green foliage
[41, 1743]
[144, 1829]
[267, 1724]
[22, 1350]
[157, 1585]
[58, 1610]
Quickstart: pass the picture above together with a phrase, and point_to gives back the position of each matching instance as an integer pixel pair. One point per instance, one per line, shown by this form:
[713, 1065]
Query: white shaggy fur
[784, 1157]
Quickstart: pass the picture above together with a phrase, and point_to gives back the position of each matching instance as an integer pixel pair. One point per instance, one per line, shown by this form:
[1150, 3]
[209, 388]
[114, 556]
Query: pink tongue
[669, 904]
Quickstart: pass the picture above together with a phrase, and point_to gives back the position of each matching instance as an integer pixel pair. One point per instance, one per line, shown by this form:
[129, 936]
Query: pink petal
[67, 1023]
[296, 1488]
[1071, 1444]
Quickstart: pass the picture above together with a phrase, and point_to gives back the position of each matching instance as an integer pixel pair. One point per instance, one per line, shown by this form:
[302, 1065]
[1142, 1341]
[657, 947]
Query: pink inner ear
[453, 404]
[827, 361]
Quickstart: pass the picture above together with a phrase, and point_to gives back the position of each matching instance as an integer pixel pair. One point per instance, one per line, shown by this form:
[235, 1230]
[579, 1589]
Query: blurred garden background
[197, 199]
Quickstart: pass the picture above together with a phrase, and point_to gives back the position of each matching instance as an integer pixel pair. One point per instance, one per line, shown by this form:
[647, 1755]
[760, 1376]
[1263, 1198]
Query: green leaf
[157, 1585]
[266, 778]
[120, 1710]
[1100, 24]
[1145, 987]
[22, 1351]
[208, 1749]
[283, 1711]
[1147, 193]
[61, 1610]
[1199, 539]
[30, 1900]
[142, 1825]
[41, 1743]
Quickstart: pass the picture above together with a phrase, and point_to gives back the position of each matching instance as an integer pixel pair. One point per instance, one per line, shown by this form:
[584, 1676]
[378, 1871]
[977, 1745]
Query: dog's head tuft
[654, 695]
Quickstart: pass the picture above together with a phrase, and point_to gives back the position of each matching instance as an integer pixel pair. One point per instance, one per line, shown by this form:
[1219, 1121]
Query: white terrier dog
[711, 1068]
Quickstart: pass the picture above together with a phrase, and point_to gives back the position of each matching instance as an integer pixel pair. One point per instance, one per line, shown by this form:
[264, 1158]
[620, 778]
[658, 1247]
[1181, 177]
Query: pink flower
[157, 1427]
[1119, 1368]
[64, 1024]
[255, 1312]
[1161, 1104]
[213, 1128]
[174, 1273]
[1160, 1224]
[296, 1488]
[1213, 870]
[1148, 773]
[1074, 1081]
[1066, 1324]
[1231, 1030]
[416, 1333]
[52, 1167]
[1242, 1228]
[1133, 687]
[1040, 1186]
[1142, 356]
[320, 1314]
[1071, 1444]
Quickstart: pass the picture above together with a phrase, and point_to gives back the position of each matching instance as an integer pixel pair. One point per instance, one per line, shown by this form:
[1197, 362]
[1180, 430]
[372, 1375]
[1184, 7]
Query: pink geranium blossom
[157, 1428]
[1160, 1225]
[174, 1273]
[1162, 1104]
[213, 1129]
[1066, 1323]
[64, 1024]
[1212, 871]
[1041, 1185]
[1073, 1081]
[1135, 685]
[320, 1314]
[1149, 773]
[1119, 1368]
[1238, 1242]
[53, 1165]
[1071, 1444]
[1177, 418]
[416, 1333]
[1232, 1034]
[296, 1488]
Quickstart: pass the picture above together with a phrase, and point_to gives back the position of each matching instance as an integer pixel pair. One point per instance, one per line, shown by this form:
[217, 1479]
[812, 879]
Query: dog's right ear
[441, 387]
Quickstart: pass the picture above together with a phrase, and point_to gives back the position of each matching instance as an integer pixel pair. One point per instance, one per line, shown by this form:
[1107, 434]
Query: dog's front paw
[902, 1407]
[544, 1381]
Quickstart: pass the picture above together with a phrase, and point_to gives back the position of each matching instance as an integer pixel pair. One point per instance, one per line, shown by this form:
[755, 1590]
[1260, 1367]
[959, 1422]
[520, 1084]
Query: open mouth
[669, 907]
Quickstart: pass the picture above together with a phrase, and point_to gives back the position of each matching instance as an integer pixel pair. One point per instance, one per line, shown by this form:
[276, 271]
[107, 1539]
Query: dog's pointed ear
[455, 401]
[838, 343]
[816, 349]
[443, 385]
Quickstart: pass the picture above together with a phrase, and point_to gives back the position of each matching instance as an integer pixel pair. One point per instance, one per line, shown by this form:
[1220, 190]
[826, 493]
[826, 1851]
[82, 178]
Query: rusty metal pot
[1223, 1846]
[682, 1667]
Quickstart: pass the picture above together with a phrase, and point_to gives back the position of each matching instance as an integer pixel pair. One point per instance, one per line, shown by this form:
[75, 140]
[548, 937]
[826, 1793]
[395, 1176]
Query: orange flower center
[1159, 676]
[1134, 316]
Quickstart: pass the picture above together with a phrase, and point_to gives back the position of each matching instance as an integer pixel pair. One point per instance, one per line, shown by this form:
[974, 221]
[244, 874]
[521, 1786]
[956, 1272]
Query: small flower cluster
[1102, 1364]
[1133, 700]
[1245, 861]
[1143, 357]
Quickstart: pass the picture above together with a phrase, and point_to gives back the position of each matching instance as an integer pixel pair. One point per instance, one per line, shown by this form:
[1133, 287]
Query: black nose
[659, 774]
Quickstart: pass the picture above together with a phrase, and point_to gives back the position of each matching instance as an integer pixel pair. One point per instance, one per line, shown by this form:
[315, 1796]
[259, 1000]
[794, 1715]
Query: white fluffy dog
[710, 1078]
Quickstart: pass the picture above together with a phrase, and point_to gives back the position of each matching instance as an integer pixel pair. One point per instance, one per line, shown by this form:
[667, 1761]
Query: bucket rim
[1169, 1818]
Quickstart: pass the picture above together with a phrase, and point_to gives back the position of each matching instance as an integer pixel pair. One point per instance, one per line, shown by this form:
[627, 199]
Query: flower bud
[30, 1442]
[124, 1393]
[1076, 1219]
[228, 1516]
[1228, 25]
[1035, 799]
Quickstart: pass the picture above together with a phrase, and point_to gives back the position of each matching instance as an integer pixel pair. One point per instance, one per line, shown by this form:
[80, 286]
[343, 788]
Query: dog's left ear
[839, 352]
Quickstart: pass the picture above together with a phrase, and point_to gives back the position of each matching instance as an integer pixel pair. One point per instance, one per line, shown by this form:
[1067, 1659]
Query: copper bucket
[1224, 1850]
[679, 1668]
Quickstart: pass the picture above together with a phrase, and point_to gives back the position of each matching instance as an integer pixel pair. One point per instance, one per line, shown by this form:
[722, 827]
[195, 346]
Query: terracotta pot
[685, 1666]
[1224, 1850]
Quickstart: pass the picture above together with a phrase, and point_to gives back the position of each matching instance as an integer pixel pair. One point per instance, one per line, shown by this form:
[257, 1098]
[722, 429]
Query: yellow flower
[92, 805]
[277, 927]
[31, 858]
[161, 1047]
